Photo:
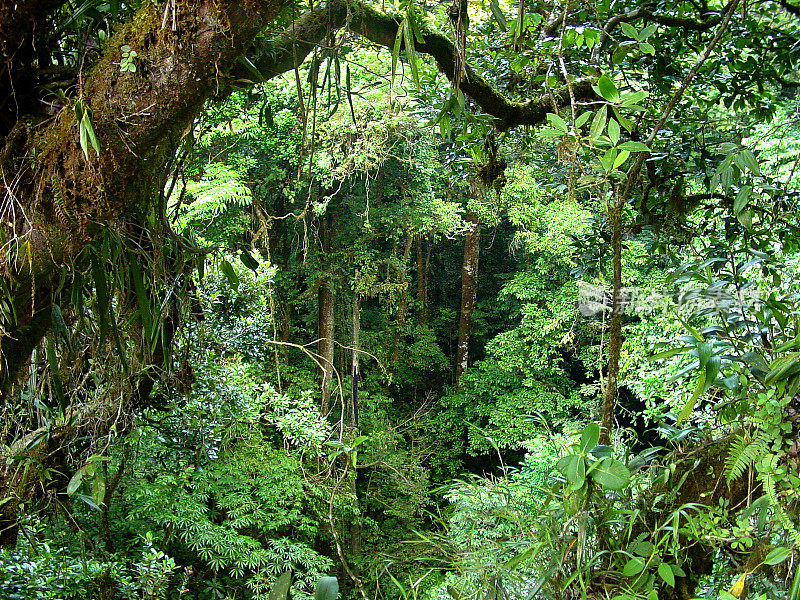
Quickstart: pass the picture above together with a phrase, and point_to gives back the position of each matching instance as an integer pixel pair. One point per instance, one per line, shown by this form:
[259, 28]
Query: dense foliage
[456, 300]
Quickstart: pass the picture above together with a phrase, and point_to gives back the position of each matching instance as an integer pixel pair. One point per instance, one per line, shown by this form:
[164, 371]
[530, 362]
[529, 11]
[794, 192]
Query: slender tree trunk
[615, 329]
[469, 292]
[355, 525]
[326, 303]
[402, 306]
[354, 372]
[422, 279]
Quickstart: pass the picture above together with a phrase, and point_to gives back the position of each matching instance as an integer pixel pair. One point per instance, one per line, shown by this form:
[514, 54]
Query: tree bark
[469, 293]
[326, 305]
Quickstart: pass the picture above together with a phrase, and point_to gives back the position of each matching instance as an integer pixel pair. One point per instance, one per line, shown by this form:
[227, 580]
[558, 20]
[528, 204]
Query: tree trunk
[402, 307]
[469, 292]
[615, 330]
[422, 279]
[326, 329]
[354, 372]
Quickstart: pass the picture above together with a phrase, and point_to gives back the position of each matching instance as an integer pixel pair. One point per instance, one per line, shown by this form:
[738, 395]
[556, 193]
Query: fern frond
[745, 453]
[767, 480]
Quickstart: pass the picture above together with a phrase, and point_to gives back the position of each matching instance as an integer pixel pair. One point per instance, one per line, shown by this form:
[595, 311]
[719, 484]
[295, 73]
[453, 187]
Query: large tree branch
[53, 199]
[293, 45]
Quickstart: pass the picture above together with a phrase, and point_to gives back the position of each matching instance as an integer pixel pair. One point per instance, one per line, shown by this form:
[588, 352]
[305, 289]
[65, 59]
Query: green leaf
[741, 199]
[557, 122]
[633, 98]
[575, 472]
[589, 437]
[607, 160]
[75, 482]
[280, 591]
[612, 474]
[87, 129]
[629, 30]
[582, 118]
[647, 48]
[327, 589]
[633, 567]
[648, 31]
[749, 161]
[621, 158]
[613, 131]
[598, 123]
[248, 260]
[665, 572]
[230, 273]
[607, 89]
[634, 147]
[778, 555]
[688, 408]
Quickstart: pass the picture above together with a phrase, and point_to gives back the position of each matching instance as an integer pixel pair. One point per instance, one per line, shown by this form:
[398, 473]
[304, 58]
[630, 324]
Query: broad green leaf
[230, 274]
[633, 98]
[248, 260]
[634, 146]
[75, 482]
[607, 160]
[749, 160]
[607, 89]
[613, 131]
[629, 30]
[778, 555]
[633, 567]
[280, 591]
[741, 199]
[598, 123]
[576, 472]
[589, 437]
[557, 122]
[327, 589]
[582, 118]
[648, 31]
[647, 48]
[665, 572]
[621, 158]
[612, 474]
